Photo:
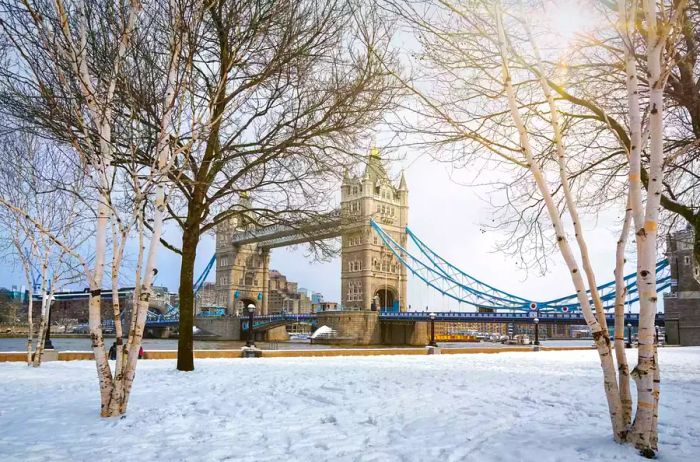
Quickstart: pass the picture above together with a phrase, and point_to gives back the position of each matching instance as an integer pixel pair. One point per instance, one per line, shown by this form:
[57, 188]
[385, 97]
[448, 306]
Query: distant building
[324, 306]
[306, 292]
[316, 298]
[682, 304]
[73, 305]
[371, 276]
[206, 295]
[285, 296]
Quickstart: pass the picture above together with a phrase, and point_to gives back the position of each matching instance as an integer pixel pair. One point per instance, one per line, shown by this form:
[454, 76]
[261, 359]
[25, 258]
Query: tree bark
[602, 341]
[620, 293]
[185, 353]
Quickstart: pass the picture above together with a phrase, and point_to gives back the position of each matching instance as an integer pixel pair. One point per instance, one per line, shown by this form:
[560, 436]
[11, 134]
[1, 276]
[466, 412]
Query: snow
[323, 330]
[476, 407]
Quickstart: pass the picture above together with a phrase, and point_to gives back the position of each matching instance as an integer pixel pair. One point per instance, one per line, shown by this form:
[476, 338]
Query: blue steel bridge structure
[485, 302]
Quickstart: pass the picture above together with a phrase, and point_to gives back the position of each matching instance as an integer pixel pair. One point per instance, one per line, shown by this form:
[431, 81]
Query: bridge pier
[405, 333]
[226, 328]
[352, 327]
[276, 334]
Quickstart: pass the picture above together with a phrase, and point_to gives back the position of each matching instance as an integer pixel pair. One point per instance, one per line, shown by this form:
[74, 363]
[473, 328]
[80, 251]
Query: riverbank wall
[18, 356]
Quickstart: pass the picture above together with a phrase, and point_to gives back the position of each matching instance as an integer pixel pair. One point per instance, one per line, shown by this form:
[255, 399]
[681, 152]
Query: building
[682, 303]
[286, 297]
[316, 298]
[324, 306]
[371, 277]
[206, 297]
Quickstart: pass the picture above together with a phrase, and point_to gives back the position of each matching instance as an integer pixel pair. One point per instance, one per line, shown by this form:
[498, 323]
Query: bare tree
[278, 95]
[69, 70]
[490, 87]
[25, 181]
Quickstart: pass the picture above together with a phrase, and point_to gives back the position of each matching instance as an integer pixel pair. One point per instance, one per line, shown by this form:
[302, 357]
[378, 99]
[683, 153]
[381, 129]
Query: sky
[446, 215]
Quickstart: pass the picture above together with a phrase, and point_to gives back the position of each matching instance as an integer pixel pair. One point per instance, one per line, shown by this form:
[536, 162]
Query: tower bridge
[372, 223]
[371, 276]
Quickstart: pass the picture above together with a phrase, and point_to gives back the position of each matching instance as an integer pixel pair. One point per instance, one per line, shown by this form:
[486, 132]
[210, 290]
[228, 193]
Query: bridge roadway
[266, 322]
[324, 226]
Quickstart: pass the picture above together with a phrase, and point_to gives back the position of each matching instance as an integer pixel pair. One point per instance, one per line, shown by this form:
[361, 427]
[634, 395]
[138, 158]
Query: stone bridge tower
[682, 303]
[242, 271]
[371, 276]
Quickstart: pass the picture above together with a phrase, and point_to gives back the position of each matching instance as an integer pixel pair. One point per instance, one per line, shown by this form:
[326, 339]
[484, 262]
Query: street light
[629, 334]
[251, 311]
[432, 330]
[537, 330]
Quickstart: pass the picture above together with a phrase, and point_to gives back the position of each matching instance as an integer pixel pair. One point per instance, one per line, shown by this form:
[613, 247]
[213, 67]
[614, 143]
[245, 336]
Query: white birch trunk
[31, 324]
[603, 347]
[44, 310]
[620, 293]
[643, 374]
[26, 266]
[145, 276]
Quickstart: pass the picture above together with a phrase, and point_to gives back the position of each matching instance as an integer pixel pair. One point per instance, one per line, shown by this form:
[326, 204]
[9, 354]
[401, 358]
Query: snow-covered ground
[497, 407]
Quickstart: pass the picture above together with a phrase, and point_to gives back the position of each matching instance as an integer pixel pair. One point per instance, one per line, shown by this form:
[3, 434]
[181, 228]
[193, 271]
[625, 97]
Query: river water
[149, 344]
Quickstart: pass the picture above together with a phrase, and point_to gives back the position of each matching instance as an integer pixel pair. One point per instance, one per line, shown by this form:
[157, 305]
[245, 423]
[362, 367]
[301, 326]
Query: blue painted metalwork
[261, 322]
[212, 312]
[552, 317]
[452, 282]
[202, 277]
[281, 319]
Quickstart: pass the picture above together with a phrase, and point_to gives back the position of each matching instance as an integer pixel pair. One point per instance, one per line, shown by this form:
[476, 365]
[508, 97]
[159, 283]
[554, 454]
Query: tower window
[686, 260]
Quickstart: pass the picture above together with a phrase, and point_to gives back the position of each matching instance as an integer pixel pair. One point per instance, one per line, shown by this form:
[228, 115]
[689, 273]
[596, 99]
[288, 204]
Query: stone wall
[682, 320]
[405, 333]
[227, 328]
[358, 327]
[277, 334]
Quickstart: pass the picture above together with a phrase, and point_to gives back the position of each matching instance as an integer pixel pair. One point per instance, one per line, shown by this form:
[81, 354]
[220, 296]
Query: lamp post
[432, 330]
[629, 335]
[537, 330]
[251, 311]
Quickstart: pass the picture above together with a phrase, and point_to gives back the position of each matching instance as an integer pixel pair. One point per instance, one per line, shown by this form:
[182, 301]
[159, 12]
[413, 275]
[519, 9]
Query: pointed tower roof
[402, 183]
[374, 170]
[245, 198]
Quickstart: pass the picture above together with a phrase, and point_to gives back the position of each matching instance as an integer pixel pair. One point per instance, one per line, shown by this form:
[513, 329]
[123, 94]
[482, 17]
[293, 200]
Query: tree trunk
[602, 341]
[696, 248]
[643, 430]
[44, 312]
[620, 293]
[185, 350]
[30, 321]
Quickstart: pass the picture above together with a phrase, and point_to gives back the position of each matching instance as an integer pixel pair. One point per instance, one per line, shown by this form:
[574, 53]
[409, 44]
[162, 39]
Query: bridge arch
[385, 298]
[242, 303]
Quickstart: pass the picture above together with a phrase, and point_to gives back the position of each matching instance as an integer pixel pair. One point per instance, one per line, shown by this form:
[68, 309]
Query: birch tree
[25, 181]
[69, 77]
[499, 92]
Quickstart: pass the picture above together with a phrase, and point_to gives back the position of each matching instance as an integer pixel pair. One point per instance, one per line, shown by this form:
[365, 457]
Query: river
[83, 344]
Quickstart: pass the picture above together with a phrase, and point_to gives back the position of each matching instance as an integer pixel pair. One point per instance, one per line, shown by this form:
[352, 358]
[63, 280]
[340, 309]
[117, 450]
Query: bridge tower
[682, 303]
[242, 271]
[371, 276]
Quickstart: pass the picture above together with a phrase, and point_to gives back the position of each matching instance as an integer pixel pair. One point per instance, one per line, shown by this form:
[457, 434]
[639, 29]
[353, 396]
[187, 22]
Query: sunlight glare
[569, 18]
